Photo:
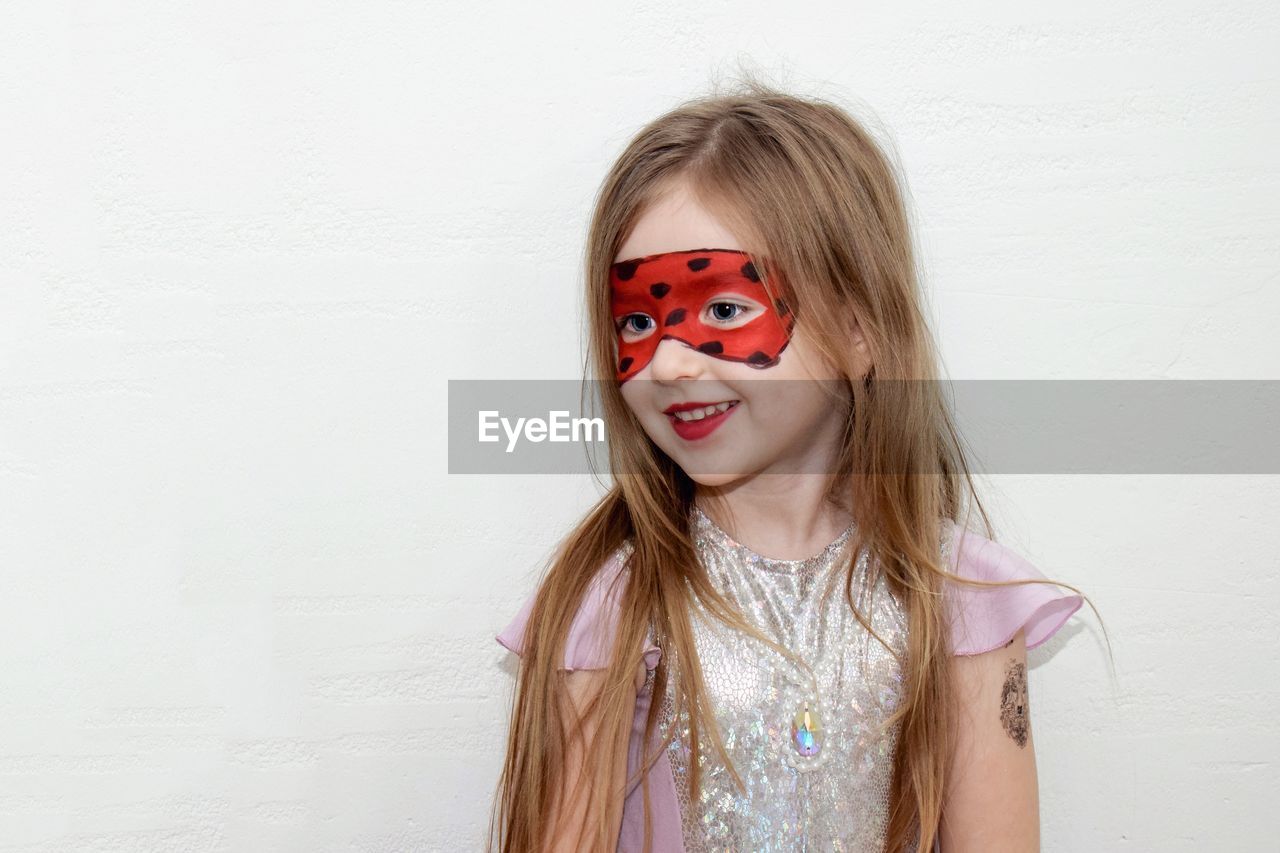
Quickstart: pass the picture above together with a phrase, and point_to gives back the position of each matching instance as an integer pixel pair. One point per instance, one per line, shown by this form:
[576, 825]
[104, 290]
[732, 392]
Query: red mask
[673, 289]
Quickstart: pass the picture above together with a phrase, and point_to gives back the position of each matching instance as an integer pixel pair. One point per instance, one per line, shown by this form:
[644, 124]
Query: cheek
[801, 359]
[788, 408]
[637, 393]
[632, 394]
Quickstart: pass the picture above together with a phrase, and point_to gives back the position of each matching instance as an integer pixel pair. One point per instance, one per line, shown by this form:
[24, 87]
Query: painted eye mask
[668, 295]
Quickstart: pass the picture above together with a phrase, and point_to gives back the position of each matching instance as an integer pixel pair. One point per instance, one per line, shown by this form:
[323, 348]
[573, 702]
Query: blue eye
[718, 313]
[627, 323]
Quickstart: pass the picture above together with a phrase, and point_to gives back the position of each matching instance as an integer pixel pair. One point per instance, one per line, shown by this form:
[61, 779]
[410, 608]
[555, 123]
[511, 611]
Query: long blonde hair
[808, 188]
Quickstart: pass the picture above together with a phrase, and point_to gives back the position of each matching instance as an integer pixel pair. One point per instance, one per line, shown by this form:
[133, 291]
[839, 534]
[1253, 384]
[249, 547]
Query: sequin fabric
[836, 798]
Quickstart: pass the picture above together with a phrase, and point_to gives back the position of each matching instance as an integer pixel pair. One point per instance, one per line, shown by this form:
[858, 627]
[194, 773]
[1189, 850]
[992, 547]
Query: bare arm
[570, 815]
[992, 798]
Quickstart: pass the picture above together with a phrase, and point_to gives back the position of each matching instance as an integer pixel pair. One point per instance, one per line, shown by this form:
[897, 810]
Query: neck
[783, 516]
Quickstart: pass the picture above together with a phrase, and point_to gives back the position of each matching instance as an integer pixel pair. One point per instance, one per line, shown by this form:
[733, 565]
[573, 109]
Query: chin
[711, 471]
[714, 481]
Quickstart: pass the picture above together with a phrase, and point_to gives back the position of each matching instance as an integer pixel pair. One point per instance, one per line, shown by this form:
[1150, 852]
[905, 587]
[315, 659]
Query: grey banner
[1008, 426]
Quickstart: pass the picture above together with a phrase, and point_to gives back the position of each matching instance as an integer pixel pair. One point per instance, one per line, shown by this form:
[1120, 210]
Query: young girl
[774, 632]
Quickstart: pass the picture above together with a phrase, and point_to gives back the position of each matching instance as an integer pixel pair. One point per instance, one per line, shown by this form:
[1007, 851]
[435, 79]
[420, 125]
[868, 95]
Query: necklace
[850, 682]
[801, 734]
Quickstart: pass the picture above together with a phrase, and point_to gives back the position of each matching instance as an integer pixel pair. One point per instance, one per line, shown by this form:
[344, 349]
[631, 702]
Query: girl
[773, 632]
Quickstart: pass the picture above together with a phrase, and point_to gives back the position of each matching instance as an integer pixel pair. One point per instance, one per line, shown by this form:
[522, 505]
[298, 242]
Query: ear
[861, 346]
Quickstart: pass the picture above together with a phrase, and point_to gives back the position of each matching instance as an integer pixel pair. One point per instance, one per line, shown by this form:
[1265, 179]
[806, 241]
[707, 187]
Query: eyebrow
[643, 258]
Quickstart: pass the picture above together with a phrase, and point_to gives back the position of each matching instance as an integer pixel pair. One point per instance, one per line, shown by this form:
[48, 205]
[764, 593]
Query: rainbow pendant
[806, 732]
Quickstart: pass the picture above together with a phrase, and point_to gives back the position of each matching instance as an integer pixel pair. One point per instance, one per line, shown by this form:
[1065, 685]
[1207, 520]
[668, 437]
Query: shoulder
[591, 634]
[986, 618]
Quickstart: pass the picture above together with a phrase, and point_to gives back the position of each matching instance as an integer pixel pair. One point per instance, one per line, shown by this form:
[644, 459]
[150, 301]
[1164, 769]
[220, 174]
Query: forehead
[675, 222]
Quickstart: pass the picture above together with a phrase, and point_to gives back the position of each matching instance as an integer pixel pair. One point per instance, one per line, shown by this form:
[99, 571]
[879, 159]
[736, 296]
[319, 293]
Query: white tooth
[708, 411]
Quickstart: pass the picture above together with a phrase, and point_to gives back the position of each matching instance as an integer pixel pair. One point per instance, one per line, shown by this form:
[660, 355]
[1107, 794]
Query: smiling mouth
[689, 415]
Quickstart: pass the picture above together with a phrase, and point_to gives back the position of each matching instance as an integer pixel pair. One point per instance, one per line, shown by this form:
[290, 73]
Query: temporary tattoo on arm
[1013, 703]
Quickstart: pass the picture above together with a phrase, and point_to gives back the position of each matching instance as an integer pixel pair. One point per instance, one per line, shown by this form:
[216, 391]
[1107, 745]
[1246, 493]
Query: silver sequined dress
[817, 787]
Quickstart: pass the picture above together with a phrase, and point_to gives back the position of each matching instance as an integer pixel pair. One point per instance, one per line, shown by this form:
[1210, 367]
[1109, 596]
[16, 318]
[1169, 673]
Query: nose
[674, 360]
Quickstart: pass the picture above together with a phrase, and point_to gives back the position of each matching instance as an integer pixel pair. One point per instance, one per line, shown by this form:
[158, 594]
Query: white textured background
[243, 247]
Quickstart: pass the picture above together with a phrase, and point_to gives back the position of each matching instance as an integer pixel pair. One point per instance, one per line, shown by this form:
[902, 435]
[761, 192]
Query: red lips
[693, 430]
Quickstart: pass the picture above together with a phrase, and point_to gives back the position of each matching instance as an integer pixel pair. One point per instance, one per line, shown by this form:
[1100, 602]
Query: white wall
[242, 248]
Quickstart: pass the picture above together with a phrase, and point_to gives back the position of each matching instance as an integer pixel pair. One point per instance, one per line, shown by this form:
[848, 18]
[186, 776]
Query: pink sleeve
[592, 632]
[986, 618]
